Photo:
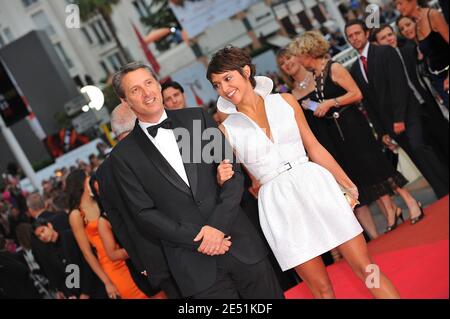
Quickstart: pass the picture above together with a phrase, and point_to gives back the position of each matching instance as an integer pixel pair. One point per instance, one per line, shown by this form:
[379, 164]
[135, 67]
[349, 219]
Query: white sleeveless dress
[302, 211]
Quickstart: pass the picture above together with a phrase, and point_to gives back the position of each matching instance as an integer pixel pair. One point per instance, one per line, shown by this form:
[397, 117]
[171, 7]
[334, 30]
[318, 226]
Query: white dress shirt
[167, 145]
[365, 53]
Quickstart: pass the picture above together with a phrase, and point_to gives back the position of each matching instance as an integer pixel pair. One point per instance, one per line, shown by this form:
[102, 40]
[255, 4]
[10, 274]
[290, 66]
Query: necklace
[319, 82]
[304, 84]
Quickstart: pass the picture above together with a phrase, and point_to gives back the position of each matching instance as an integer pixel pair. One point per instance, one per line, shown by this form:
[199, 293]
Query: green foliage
[160, 16]
[90, 8]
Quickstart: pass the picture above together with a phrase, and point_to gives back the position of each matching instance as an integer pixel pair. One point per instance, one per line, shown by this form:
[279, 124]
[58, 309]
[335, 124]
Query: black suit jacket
[145, 253]
[387, 93]
[61, 254]
[165, 208]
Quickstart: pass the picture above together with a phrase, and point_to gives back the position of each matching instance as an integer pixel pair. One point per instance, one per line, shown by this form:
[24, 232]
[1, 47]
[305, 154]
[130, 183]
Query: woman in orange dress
[84, 206]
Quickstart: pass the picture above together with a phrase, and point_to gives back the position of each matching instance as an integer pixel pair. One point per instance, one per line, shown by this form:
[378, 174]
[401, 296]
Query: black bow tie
[153, 130]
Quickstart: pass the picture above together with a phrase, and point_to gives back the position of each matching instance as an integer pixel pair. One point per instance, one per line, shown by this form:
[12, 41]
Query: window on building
[115, 61]
[97, 34]
[63, 56]
[305, 21]
[8, 34]
[87, 35]
[105, 68]
[28, 3]
[288, 26]
[42, 23]
[319, 14]
[78, 81]
[103, 31]
[142, 8]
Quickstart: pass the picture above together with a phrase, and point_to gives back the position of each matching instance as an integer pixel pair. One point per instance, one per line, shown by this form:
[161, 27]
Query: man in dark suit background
[64, 253]
[146, 255]
[174, 197]
[380, 75]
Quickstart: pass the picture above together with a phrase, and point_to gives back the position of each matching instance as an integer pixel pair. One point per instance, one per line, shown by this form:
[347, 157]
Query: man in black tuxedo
[174, 197]
[380, 75]
[145, 254]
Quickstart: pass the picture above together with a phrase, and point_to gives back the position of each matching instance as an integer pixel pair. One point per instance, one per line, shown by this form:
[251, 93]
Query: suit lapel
[359, 77]
[152, 153]
[188, 162]
[371, 63]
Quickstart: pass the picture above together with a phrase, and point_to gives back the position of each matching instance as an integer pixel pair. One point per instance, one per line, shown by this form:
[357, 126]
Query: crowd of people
[313, 147]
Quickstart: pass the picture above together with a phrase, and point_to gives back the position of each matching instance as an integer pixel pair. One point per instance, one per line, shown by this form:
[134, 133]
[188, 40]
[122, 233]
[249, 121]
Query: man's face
[44, 233]
[387, 37]
[143, 94]
[173, 99]
[357, 37]
[47, 187]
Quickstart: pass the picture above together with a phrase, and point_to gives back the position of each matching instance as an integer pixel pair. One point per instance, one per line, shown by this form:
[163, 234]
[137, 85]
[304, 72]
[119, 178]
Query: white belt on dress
[286, 167]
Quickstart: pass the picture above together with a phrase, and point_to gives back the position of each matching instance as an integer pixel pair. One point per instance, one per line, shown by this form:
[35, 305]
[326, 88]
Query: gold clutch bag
[352, 201]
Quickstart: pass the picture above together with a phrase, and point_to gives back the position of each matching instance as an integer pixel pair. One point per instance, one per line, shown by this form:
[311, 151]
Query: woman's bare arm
[316, 152]
[113, 251]
[77, 225]
[439, 24]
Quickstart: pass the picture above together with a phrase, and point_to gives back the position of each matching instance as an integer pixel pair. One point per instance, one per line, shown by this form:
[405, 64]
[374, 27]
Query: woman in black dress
[353, 144]
[303, 89]
[432, 36]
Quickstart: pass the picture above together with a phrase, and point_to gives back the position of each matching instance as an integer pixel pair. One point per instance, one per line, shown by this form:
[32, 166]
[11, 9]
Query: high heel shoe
[394, 225]
[420, 217]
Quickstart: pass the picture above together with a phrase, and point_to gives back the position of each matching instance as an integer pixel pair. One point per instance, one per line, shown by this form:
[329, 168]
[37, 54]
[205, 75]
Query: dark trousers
[423, 156]
[236, 280]
[170, 288]
[438, 83]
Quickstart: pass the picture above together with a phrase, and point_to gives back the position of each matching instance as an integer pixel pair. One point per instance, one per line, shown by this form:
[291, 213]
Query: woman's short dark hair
[231, 59]
[75, 188]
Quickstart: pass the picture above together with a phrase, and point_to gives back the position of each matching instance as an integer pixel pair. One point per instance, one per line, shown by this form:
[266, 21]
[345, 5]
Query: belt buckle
[290, 166]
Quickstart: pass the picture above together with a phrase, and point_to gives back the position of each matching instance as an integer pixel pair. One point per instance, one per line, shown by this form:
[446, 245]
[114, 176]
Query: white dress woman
[303, 212]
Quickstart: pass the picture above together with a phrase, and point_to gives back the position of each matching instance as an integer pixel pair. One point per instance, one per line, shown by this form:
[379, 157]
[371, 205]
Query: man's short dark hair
[41, 221]
[353, 22]
[172, 84]
[127, 68]
[374, 32]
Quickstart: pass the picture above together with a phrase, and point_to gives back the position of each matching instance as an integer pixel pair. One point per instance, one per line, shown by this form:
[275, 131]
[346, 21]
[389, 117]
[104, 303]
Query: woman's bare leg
[390, 207]
[365, 218]
[411, 202]
[357, 255]
[314, 274]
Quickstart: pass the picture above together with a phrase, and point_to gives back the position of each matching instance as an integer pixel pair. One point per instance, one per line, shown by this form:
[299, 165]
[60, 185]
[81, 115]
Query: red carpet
[414, 257]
